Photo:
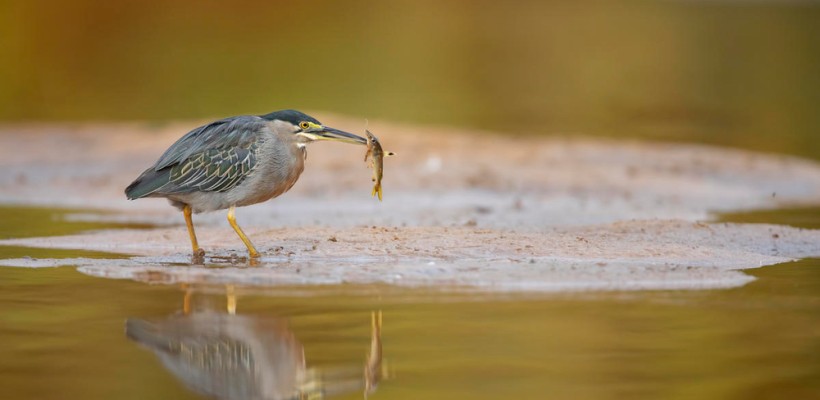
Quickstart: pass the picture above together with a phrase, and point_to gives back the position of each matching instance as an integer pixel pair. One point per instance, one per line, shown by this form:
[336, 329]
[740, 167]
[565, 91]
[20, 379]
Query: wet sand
[461, 208]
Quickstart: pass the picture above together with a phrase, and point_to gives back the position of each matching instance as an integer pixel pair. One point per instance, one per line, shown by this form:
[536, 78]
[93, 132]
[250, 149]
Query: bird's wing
[212, 158]
[234, 132]
[213, 170]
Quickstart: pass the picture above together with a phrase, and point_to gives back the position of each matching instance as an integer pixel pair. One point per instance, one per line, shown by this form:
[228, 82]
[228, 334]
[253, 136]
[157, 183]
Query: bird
[229, 356]
[234, 162]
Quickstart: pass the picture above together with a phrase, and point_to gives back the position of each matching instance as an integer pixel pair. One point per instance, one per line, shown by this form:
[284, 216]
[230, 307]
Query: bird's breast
[280, 163]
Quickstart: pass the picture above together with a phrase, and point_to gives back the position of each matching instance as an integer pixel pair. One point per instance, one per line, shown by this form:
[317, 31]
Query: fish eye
[304, 125]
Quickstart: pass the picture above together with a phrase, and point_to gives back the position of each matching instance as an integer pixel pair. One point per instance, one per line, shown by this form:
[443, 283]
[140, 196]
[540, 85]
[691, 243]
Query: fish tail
[377, 190]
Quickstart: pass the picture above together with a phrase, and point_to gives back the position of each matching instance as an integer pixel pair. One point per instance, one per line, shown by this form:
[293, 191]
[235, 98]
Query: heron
[229, 356]
[234, 162]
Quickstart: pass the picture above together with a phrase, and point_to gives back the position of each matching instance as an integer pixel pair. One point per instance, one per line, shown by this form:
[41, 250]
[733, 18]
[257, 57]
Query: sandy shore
[461, 208]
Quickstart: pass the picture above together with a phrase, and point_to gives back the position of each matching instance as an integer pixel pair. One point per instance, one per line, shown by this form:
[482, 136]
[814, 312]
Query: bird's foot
[237, 260]
[198, 256]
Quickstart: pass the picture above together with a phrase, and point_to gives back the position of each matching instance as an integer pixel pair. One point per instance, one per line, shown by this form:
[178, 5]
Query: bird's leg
[186, 301]
[232, 220]
[230, 296]
[198, 252]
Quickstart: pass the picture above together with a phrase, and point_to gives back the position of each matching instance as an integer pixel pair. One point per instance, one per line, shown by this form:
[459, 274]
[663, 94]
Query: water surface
[64, 336]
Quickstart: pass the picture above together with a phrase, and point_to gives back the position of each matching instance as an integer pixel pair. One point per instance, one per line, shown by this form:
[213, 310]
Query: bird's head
[308, 129]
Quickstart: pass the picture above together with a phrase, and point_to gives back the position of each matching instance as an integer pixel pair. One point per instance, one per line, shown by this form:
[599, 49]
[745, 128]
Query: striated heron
[229, 356]
[234, 162]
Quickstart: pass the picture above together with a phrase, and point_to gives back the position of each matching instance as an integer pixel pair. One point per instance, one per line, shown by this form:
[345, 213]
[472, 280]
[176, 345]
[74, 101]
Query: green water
[63, 336]
[21, 221]
[799, 217]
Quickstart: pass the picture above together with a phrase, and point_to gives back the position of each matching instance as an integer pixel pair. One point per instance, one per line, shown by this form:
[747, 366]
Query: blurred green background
[739, 73]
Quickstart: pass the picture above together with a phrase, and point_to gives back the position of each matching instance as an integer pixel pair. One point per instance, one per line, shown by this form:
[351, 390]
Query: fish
[376, 154]
[373, 370]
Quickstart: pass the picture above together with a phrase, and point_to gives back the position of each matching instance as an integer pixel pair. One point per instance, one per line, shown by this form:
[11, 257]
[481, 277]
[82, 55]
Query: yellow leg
[186, 301]
[190, 222]
[232, 220]
[231, 299]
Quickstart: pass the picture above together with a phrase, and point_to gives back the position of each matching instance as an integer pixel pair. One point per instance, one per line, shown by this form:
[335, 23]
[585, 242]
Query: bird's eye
[304, 126]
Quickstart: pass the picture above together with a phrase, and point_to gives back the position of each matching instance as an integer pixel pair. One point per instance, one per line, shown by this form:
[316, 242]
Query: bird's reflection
[227, 356]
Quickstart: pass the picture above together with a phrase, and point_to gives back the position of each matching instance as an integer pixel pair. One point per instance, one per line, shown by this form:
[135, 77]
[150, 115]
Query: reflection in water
[226, 356]
[373, 371]
[754, 342]
[229, 356]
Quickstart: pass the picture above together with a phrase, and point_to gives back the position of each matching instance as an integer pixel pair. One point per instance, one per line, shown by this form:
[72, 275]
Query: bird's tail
[149, 182]
[145, 333]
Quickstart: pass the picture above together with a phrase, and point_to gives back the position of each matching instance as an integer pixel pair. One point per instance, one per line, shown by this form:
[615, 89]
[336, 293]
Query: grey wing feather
[214, 170]
[213, 157]
[230, 132]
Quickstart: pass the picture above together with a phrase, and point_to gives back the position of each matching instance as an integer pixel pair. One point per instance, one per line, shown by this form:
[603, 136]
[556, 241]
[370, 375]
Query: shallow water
[799, 217]
[24, 221]
[64, 336]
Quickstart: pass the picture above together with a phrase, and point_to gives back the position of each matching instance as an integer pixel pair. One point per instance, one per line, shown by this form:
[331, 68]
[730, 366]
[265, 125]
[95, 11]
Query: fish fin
[377, 190]
[389, 153]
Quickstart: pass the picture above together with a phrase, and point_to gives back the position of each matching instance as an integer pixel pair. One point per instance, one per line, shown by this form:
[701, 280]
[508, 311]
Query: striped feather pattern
[214, 170]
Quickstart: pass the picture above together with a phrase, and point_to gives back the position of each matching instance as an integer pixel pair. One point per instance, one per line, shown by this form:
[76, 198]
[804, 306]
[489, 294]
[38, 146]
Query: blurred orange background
[738, 73]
